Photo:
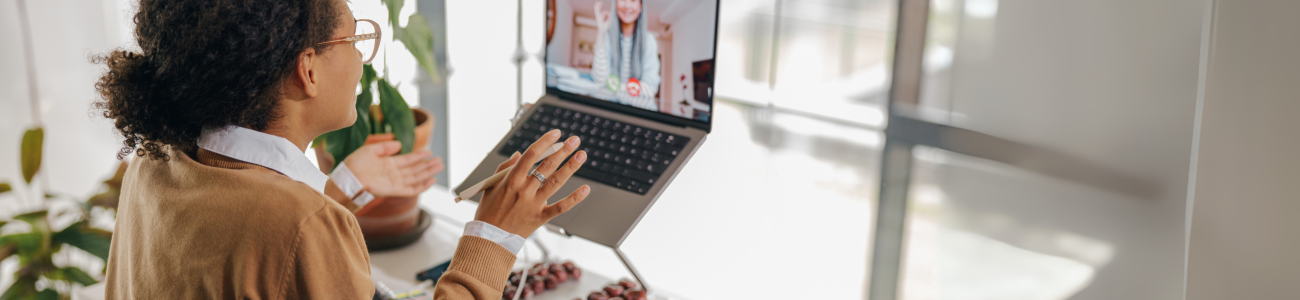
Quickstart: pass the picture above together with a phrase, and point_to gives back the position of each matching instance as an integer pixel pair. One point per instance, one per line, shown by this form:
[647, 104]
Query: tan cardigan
[218, 228]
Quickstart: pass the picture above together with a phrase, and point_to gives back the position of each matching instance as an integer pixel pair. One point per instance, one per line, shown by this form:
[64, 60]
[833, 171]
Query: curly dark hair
[206, 64]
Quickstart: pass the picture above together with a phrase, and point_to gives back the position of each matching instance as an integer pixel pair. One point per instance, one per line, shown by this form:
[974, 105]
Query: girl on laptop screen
[627, 56]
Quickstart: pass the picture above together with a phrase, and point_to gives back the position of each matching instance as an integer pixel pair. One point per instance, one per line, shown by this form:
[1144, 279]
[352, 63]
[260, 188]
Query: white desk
[439, 243]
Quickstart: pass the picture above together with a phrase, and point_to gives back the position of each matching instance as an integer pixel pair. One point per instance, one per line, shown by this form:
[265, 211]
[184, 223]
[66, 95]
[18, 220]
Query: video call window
[655, 55]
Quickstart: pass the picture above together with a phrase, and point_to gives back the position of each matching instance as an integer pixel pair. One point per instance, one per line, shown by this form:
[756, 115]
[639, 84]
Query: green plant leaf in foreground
[36, 218]
[25, 242]
[47, 294]
[23, 288]
[33, 140]
[7, 250]
[340, 143]
[82, 236]
[394, 11]
[366, 98]
[108, 199]
[418, 39]
[72, 274]
[397, 114]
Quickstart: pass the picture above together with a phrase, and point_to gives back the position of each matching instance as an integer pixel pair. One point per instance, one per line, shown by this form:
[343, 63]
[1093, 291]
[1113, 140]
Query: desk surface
[397, 267]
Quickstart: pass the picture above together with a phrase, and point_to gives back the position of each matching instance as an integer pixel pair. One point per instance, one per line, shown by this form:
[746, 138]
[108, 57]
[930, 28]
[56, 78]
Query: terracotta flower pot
[389, 216]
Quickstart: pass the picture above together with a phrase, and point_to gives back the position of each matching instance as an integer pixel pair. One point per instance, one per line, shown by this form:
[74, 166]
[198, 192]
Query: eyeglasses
[365, 40]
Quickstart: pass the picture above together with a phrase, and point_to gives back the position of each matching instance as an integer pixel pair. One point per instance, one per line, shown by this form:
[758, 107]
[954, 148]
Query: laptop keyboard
[618, 154]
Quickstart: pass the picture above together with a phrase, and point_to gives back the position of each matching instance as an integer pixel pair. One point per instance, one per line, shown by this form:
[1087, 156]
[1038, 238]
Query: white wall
[80, 147]
[481, 89]
[1244, 242]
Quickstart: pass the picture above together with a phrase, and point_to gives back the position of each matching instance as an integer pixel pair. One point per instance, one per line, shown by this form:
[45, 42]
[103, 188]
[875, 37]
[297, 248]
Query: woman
[627, 59]
[220, 104]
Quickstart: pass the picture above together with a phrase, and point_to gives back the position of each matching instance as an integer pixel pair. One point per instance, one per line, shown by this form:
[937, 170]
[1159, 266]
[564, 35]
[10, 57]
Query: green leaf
[84, 237]
[398, 115]
[368, 76]
[320, 140]
[36, 218]
[25, 242]
[341, 143]
[418, 39]
[47, 294]
[394, 10]
[5, 187]
[33, 140]
[366, 98]
[23, 288]
[7, 250]
[108, 199]
[72, 274]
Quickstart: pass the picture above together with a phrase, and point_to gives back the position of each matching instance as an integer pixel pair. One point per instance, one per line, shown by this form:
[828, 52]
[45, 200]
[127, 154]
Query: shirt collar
[273, 152]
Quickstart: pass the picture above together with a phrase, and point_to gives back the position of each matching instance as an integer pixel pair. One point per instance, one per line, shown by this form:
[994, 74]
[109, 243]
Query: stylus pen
[490, 181]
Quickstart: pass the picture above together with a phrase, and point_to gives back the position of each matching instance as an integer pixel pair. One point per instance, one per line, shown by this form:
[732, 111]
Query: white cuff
[510, 241]
[350, 185]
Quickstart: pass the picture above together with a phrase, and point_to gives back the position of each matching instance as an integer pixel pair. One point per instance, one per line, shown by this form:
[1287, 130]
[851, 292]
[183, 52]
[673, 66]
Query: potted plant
[388, 119]
[38, 245]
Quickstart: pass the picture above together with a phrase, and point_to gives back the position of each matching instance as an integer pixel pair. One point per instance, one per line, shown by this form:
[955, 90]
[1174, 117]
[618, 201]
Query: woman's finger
[519, 173]
[421, 186]
[561, 176]
[506, 164]
[421, 176]
[436, 164]
[412, 158]
[509, 162]
[385, 148]
[549, 164]
[553, 210]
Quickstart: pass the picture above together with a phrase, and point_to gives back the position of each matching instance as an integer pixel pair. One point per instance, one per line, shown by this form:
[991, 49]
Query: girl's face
[628, 10]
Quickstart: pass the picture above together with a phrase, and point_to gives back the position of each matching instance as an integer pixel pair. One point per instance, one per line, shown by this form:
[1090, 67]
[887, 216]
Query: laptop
[641, 100]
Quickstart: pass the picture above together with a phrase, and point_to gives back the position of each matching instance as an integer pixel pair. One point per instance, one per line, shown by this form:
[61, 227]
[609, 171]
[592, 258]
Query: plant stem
[28, 53]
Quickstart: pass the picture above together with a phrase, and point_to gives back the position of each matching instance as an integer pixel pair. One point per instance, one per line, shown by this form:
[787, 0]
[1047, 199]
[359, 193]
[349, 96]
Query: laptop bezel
[642, 113]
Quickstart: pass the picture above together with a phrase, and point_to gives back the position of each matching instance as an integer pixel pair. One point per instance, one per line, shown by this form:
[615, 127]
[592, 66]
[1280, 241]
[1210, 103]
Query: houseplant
[391, 119]
[388, 119]
[41, 243]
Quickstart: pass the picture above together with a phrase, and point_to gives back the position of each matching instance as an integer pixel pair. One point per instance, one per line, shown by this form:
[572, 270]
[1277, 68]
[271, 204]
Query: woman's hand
[517, 204]
[602, 17]
[384, 174]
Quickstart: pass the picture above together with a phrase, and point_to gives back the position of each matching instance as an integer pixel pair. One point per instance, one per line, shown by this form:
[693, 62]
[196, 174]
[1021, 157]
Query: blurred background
[1049, 151]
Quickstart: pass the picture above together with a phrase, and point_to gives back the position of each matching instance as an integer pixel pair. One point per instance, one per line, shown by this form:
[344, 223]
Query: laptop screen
[655, 55]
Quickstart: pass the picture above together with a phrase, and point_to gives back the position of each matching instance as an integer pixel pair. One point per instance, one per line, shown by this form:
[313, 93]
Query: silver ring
[540, 178]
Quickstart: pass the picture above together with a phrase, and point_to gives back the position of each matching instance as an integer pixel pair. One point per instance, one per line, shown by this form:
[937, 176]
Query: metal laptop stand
[622, 257]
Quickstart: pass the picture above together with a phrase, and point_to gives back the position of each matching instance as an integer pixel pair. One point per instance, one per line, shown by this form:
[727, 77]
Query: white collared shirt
[281, 155]
[266, 150]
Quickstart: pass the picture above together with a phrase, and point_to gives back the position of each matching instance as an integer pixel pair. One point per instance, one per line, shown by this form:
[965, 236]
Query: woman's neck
[292, 125]
[297, 137]
[627, 28]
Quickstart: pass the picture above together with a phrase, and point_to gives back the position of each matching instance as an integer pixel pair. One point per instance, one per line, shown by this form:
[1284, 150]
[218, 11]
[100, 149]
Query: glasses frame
[361, 37]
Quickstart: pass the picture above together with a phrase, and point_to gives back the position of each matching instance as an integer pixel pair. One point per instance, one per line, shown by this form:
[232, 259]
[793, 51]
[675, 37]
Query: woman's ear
[305, 75]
